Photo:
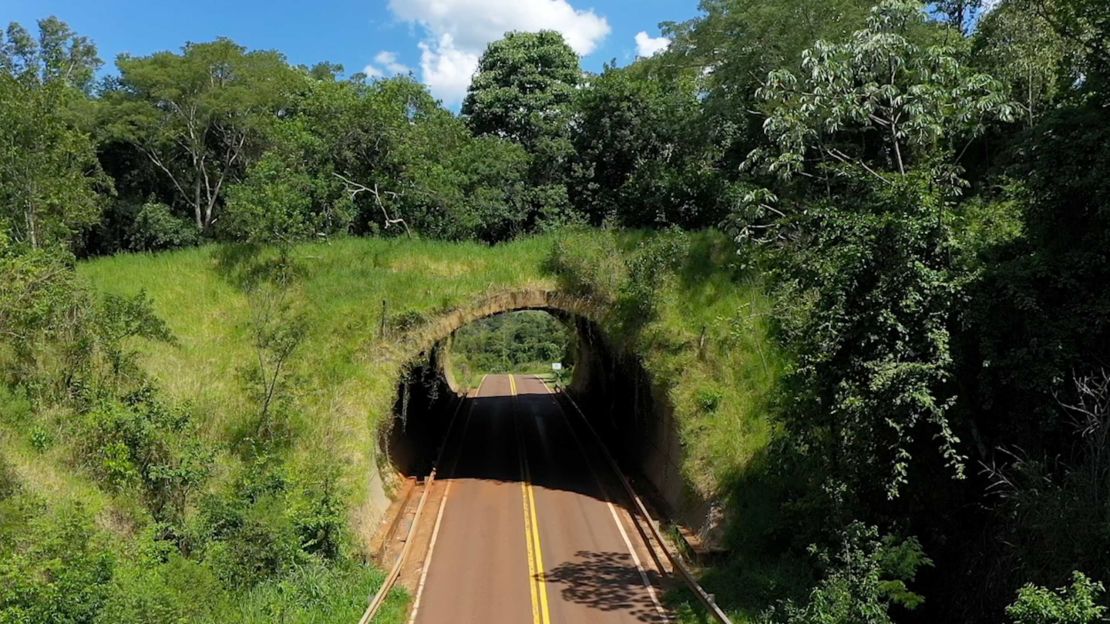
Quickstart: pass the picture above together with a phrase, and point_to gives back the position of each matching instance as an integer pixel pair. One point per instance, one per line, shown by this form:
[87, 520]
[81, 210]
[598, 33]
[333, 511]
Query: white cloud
[456, 32]
[385, 64]
[646, 45]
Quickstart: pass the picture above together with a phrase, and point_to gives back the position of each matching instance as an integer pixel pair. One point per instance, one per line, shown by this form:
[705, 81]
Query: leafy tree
[473, 190]
[523, 88]
[58, 571]
[145, 443]
[877, 121]
[644, 159]
[1078, 604]
[962, 14]
[201, 116]
[523, 91]
[154, 227]
[58, 56]
[1021, 48]
[276, 203]
[49, 175]
[867, 576]
[736, 43]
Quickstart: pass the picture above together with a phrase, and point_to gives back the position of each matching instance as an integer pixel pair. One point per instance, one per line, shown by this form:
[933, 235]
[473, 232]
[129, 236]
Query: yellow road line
[531, 554]
[537, 585]
[612, 509]
[541, 580]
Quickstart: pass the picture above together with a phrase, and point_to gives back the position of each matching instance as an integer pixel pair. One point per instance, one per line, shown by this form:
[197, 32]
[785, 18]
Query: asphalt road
[527, 532]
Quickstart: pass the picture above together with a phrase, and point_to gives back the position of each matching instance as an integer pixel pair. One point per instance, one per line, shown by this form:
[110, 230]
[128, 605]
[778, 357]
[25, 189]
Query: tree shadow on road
[607, 581]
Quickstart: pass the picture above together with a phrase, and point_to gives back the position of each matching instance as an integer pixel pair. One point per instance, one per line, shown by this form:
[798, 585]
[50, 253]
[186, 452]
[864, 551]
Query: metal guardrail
[703, 596]
[379, 597]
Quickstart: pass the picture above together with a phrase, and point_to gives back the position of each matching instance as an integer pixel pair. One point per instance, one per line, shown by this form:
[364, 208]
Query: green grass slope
[699, 323]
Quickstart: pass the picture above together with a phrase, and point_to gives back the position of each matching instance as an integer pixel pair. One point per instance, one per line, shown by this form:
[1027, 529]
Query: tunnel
[609, 388]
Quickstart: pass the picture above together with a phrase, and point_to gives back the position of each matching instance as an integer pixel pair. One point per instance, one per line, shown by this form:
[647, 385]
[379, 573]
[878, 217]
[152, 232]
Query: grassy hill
[698, 323]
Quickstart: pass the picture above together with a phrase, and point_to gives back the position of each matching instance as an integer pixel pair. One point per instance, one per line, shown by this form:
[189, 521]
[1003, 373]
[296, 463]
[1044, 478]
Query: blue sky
[437, 40]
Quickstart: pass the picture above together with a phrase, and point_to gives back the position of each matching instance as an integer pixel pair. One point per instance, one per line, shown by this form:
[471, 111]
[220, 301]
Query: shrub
[146, 443]
[58, 573]
[863, 580]
[9, 481]
[156, 228]
[1077, 604]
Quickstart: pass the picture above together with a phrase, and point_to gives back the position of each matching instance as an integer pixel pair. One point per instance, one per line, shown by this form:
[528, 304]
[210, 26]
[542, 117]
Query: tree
[736, 43]
[201, 116]
[49, 174]
[879, 105]
[1020, 47]
[1077, 604]
[643, 157]
[877, 123]
[523, 91]
[523, 88]
[58, 56]
[277, 203]
[867, 575]
[961, 14]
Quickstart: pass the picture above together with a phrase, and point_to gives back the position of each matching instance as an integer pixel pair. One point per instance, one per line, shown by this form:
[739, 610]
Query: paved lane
[479, 569]
[528, 533]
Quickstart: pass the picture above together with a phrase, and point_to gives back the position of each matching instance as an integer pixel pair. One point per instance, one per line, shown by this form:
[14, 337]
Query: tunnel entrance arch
[633, 417]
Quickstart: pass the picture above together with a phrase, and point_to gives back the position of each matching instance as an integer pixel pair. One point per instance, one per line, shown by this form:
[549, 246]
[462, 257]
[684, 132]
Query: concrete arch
[560, 304]
[634, 415]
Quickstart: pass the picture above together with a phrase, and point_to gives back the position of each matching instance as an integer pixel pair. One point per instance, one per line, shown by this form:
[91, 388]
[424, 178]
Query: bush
[1077, 604]
[9, 481]
[146, 443]
[58, 573]
[318, 514]
[863, 580]
[156, 228]
[15, 406]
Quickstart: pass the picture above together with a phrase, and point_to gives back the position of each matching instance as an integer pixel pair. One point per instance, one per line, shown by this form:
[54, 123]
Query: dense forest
[925, 187]
[518, 342]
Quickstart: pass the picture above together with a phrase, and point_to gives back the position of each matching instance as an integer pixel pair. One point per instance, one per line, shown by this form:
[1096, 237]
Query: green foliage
[872, 340]
[864, 579]
[56, 571]
[49, 174]
[199, 116]
[319, 514]
[522, 88]
[518, 342]
[9, 482]
[143, 442]
[155, 228]
[1017, 45]
[642, 159]
[15, 406]
[58, 56]
[277, 329]
[879, 88]
[271, 205]
[1077, 604]
[523, 91]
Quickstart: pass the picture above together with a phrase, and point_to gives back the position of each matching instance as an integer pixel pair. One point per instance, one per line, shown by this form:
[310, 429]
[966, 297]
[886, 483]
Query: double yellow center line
[536, 581]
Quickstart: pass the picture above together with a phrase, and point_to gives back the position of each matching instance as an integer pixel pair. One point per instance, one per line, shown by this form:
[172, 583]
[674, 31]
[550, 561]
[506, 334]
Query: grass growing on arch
[699, 322]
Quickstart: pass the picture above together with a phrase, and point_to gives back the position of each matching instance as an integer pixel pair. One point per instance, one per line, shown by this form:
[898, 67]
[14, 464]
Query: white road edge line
[439, 517]
[612, 510]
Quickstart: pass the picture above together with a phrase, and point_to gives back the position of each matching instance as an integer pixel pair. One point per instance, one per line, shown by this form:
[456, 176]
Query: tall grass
[704, 339]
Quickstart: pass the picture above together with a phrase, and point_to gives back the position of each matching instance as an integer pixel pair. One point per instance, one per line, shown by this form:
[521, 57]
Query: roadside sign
[556, 366]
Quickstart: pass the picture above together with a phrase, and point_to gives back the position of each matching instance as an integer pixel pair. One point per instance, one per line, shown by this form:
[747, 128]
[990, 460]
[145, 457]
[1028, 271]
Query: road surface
[526, 531]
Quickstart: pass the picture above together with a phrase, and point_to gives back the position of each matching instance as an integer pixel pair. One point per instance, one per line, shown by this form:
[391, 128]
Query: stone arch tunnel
[616, 393]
